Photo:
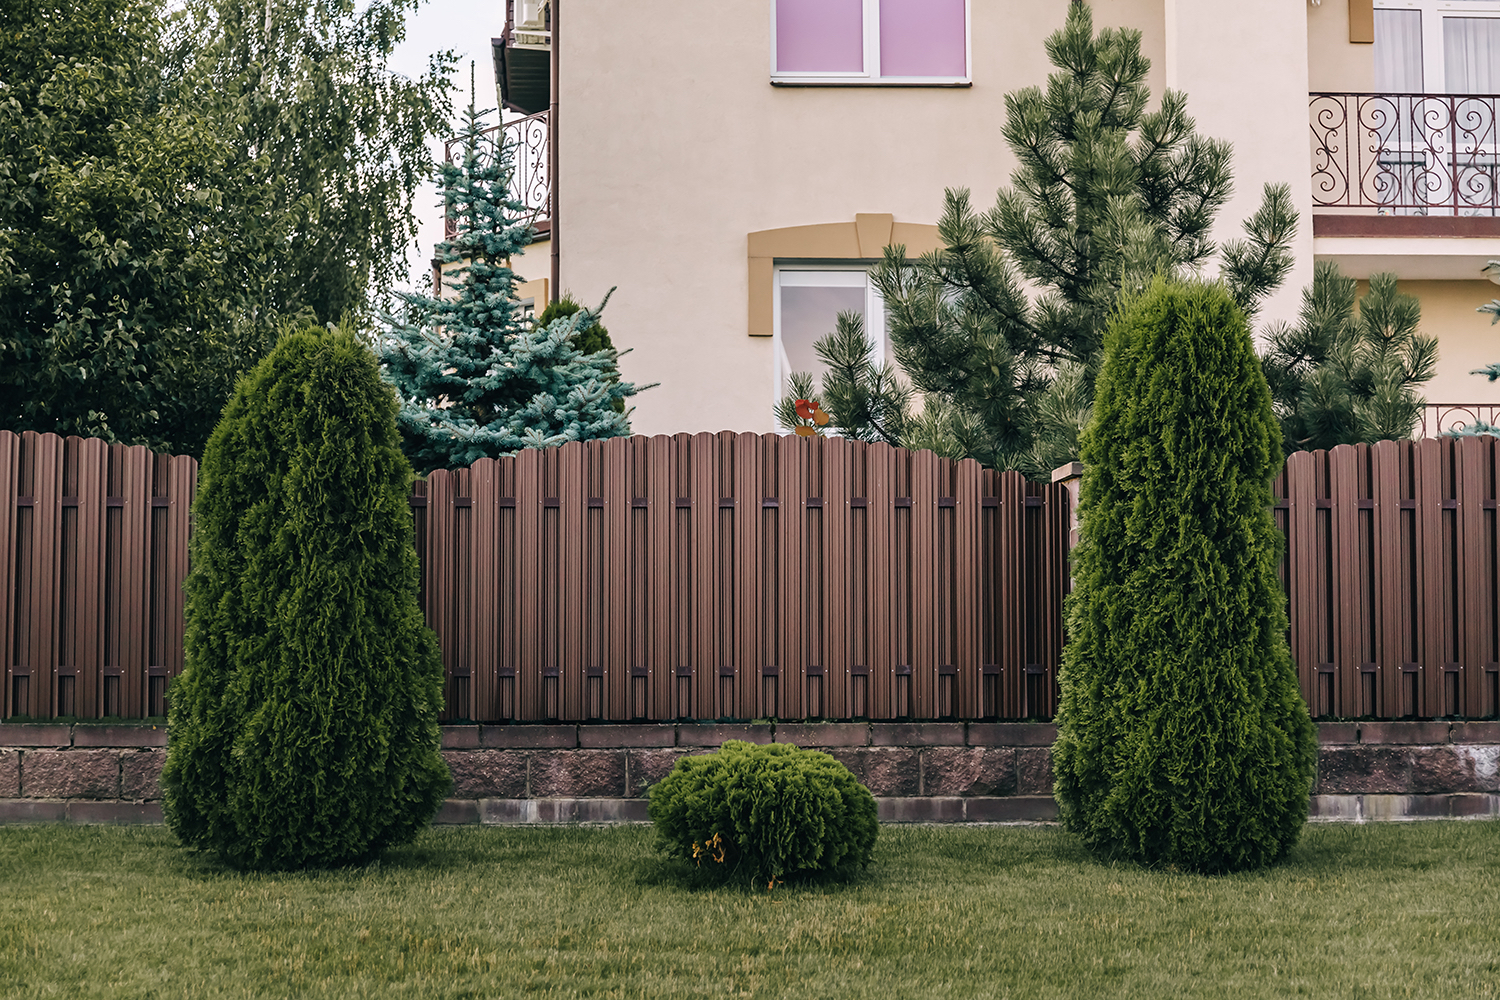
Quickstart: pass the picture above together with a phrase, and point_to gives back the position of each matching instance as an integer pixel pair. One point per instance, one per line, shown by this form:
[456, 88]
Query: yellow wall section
[1466, 340]
[1335, 64]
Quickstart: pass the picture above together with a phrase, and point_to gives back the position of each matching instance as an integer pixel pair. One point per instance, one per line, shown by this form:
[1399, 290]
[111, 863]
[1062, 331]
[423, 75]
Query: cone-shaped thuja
[304, 727]
[1182, 736]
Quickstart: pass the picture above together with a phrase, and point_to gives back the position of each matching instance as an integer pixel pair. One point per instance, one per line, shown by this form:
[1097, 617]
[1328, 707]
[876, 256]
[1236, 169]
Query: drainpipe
[552, 161]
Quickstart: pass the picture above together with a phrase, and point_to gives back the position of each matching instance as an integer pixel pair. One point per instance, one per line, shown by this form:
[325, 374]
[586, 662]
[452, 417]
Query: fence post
[1070, 477]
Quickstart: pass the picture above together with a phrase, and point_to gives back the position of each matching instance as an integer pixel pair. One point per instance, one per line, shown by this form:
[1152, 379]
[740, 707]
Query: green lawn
[1391, 910]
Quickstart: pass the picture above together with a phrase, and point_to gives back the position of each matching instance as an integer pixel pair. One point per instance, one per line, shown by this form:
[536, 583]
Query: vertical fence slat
[745, 659]
[1430, 494]
[37, 652]
[661, 511]
[182, 483]
[880, 498]
[1059, 532]
[88, 573]
[968, 590]
[484, 593]
[1473, 457]
[614, 456]
[1391, 594]
[531, 578]
[792, 517]
[572, 505]
[1010, 522]
[1347, 597]
[924, 584]
[135, 522]
[10, 459]
[703, 519]
[438, 582]
[838, 613]
[1306, 601]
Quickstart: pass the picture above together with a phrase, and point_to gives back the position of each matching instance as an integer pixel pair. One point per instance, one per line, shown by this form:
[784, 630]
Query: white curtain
[1471, 55]
[1398, 52]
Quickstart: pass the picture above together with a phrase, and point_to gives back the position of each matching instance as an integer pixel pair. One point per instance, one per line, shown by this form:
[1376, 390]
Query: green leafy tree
[174, 186]
[474, 378]
[304, 726]
[1349, 372]
[1182, 736]
[118, 276]
[1000, 330]
[329, 148]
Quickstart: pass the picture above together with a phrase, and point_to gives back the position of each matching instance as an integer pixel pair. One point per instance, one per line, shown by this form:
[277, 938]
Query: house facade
[732, 169]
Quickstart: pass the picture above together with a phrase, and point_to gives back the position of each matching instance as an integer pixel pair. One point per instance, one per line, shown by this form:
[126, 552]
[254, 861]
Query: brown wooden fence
[1391, 573]
[743, 576]
[93, 545]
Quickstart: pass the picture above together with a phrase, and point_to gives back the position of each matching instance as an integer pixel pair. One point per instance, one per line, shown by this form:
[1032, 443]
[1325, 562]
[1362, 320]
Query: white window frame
[803, 274]
[871, 77]
[1434, 61]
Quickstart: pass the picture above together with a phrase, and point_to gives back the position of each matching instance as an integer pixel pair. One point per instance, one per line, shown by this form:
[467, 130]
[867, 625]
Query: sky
[466, 27]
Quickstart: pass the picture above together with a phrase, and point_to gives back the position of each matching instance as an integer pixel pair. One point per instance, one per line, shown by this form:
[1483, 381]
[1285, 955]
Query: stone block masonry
[934, 772]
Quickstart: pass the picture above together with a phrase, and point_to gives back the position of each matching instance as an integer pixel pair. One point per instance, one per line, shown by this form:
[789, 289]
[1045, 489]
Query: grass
[1393, 910]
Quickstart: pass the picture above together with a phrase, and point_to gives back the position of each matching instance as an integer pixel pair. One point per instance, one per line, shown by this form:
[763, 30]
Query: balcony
[1440, 417]
[523, 56]
[529, 181]
[1389, 171]
[1426, 155]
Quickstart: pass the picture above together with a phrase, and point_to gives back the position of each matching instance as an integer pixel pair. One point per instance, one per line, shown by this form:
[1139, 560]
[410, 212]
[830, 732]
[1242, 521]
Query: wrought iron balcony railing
[529, 183]
[1440, 417]
[1406, 154]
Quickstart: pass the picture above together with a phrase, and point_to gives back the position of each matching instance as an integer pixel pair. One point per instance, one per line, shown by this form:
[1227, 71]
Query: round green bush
[303, 730]
[1182, 735]
[765, 812]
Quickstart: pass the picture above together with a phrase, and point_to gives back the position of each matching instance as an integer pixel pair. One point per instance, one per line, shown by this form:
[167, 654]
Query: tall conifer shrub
[1182, 735]
[304, 727]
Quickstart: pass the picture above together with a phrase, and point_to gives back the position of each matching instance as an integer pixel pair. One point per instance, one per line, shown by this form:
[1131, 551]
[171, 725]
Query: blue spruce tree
[476, 378]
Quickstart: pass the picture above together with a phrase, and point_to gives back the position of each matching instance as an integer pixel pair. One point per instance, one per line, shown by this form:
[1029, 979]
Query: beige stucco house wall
[685, 174]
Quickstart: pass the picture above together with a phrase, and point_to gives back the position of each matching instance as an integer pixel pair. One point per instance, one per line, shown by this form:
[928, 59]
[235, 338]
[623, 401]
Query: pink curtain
[820, 36]
[922, 38]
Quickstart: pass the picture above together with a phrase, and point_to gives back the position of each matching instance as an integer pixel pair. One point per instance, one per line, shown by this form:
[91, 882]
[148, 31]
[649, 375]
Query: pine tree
[1182, 735]
[591, 340]
[1491, 371]
[1107, 195]
[1348, 373]
[304, 727]
[864, 398]
[475, 379]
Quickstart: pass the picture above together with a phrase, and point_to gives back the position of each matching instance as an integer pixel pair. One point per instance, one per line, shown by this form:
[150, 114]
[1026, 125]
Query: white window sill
[924, 81]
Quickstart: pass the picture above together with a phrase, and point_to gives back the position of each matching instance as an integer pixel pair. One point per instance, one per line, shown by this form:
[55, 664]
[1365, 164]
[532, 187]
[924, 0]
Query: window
[806, 308]
[870, 41]
[1437, 47]
[1436, 62]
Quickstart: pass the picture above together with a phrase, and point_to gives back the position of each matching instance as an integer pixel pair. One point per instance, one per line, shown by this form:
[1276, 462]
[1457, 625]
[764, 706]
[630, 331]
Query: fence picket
[1474, 457]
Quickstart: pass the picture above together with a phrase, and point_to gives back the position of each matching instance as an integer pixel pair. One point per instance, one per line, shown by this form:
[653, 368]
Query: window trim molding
[870, 76]
[864, 239]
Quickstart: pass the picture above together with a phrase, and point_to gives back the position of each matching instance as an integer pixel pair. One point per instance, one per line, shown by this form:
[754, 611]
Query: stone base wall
[919, 772]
